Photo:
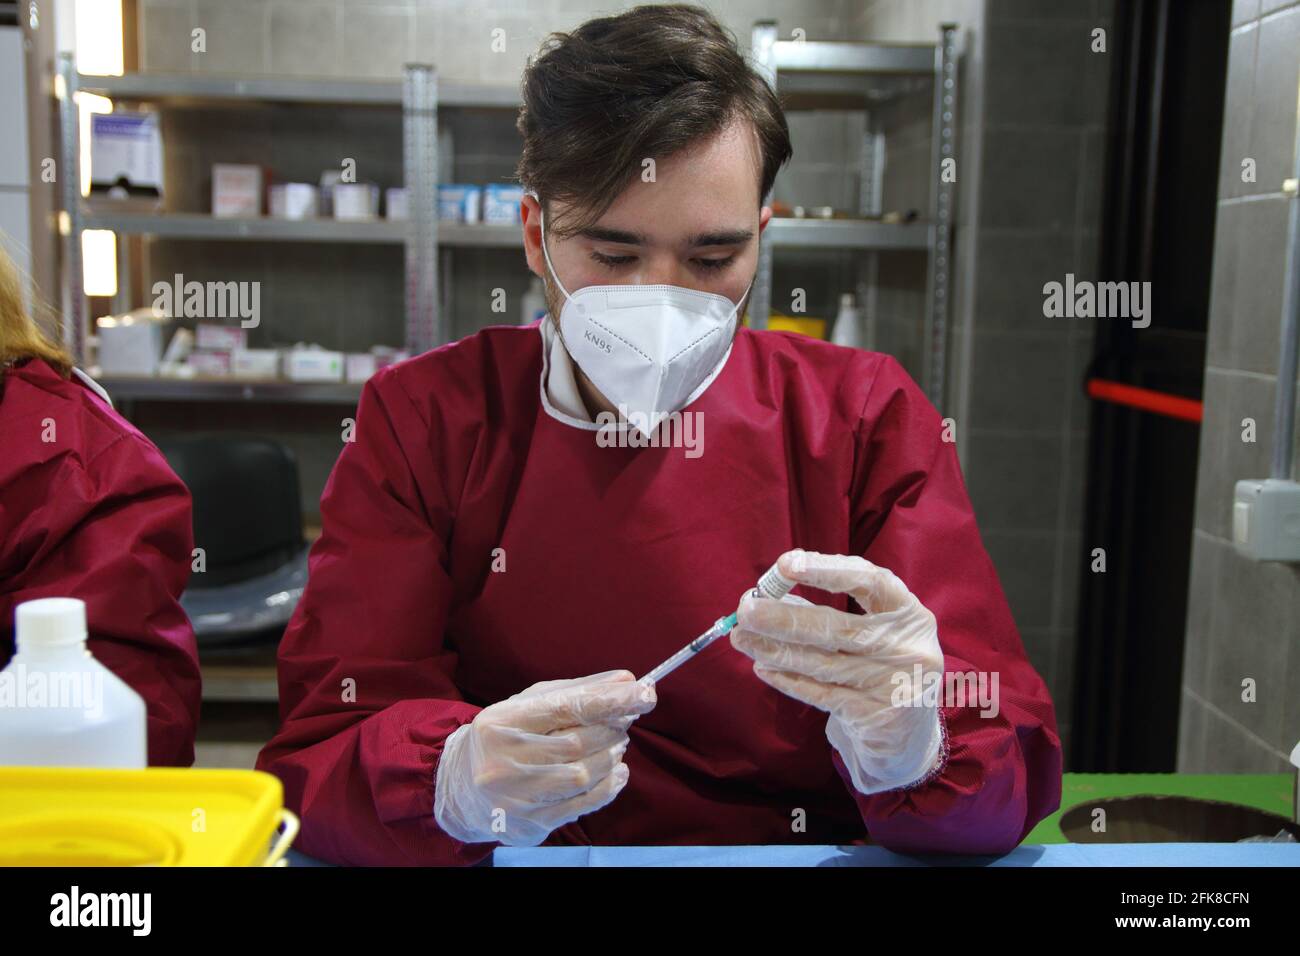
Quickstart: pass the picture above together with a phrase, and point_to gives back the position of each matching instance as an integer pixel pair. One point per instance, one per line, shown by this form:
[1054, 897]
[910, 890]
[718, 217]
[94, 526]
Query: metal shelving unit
[816, 74]
[415, 100]
[204, 90]
[184, 225]
[199, 89]
[418, 97]
[788, 233]
[130, 388]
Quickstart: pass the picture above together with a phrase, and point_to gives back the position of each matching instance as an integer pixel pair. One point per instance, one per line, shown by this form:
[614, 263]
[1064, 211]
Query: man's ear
[531, 223]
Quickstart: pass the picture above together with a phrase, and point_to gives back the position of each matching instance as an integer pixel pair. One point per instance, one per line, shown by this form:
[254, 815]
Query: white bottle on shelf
[59, 707]
[533, 304]
[848, 324]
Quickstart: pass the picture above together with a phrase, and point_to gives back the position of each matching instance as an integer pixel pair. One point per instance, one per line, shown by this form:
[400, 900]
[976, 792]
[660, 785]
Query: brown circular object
[1157, 819]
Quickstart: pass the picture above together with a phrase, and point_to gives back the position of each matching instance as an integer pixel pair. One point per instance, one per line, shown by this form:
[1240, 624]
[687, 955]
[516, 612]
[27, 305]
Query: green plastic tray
[1265, 791]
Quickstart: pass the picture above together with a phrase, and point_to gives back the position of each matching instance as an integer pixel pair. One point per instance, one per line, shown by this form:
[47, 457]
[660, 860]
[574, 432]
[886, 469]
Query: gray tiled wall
[1032, 120]
[482, 44]
[1244, 617]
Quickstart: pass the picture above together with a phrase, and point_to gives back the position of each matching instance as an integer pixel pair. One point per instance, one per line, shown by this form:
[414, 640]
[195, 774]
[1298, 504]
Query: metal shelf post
[425, 322]
[74, 299]
[818, 74]
[943, 146]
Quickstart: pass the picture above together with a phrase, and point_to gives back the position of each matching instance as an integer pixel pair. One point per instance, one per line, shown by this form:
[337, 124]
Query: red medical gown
[614, 558]
[98, 514]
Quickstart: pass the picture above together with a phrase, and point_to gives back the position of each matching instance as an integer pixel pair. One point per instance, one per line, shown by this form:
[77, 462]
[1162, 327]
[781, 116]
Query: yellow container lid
[804, 325]
[65, 816]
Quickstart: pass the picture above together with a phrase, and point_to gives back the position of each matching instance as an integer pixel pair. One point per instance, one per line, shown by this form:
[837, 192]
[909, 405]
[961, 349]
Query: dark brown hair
[643, 84]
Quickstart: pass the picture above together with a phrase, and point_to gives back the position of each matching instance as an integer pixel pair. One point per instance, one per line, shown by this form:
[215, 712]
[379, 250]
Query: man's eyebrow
[725, 237]
[620, 236]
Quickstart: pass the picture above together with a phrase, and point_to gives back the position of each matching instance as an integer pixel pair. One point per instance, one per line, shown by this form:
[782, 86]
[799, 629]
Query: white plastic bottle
[59, 707]
[848, 324]
[533, 304]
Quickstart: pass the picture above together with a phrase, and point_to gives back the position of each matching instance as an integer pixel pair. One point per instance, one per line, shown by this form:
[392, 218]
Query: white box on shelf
[255, 363]
[293, 201]
[313, 365]
[236, 190]
[212, 364]
[501, 203]
[397, 204]
[459, 203]
[360, 366]
[126, 153]
[225, 338]
[129, 344]
[386, 356]
[356, 201]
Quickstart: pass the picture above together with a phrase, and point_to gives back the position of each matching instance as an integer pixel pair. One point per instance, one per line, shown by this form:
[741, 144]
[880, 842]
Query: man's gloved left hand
[846, 663]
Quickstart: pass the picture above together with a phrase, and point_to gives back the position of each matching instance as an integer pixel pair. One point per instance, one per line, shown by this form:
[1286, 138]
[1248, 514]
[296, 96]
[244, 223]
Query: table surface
[1064, 854]
[1045, 845]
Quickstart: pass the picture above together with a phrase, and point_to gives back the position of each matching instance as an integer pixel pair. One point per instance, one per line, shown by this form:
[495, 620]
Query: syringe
[773, 584]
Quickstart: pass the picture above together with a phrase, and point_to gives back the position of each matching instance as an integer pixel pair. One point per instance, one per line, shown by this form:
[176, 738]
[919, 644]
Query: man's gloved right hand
[538, 760]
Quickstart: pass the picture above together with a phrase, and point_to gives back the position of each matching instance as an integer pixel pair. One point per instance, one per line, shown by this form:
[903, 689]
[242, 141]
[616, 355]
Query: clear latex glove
[538, 760]
[846, 663]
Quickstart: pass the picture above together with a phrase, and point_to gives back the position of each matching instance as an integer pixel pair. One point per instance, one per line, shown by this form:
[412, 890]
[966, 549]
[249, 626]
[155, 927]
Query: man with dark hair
[509, 517]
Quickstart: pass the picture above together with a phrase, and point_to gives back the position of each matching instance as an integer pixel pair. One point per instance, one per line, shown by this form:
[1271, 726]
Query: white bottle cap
[50, 622]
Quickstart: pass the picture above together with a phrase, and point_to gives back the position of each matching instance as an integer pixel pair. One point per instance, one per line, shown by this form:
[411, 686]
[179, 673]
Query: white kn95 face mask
[652, 349]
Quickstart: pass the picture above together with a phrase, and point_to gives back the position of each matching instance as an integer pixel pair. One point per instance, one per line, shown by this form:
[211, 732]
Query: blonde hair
[21, 337]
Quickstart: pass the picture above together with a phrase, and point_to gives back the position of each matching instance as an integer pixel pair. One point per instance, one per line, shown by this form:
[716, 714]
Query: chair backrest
[247, 509]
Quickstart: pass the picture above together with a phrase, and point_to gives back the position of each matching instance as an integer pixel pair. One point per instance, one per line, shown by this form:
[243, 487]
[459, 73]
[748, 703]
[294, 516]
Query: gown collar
[559, 387]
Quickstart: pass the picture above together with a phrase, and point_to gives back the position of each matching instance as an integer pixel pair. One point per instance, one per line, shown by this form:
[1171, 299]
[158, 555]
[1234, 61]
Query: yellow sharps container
[59, 816]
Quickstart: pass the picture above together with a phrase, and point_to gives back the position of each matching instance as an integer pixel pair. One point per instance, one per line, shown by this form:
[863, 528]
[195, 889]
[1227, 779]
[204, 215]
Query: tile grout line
[1245, 731]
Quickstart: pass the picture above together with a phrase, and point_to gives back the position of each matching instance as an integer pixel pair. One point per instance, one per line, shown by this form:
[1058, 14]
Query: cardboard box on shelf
[130, 344]
[236, 190]
[459, 202]
[211, 364]
[501, 203]
[225, 338]
[255, 363]
[313, 365]
[126, 157]
[359, 366]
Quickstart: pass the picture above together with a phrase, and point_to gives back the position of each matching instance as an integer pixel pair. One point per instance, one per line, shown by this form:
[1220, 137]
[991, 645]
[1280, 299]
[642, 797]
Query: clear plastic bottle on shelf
[848, 324]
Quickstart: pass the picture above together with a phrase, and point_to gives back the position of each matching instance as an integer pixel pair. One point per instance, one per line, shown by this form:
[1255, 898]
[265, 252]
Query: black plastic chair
[248, 521]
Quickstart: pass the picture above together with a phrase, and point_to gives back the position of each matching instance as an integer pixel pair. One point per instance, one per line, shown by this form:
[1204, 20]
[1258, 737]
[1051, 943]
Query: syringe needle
[720, 627]
[773, 584]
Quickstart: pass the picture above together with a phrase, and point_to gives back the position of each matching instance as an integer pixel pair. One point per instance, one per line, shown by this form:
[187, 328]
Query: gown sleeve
[115, 532]
[1000, 774]
[367, 696]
